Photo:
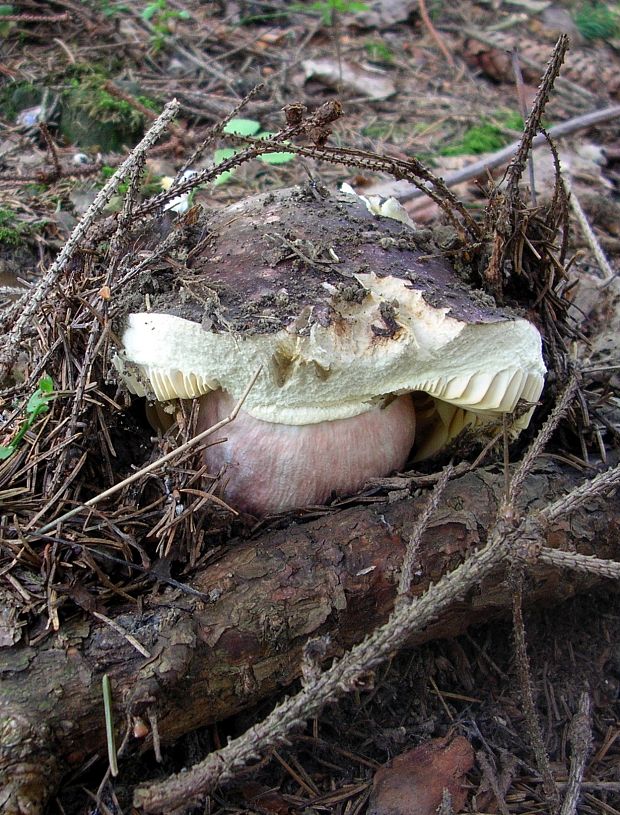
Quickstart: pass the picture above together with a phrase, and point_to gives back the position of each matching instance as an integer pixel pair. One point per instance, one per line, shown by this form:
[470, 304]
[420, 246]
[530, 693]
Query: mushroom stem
[268, 467]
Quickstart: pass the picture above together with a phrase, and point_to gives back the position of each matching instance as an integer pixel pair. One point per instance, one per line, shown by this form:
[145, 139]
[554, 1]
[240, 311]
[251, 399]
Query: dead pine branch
[507, 217]
[347, 568]
[527, 694]
[580, 737]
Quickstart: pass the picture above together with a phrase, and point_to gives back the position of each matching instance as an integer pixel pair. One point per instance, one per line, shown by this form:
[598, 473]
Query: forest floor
[81, 81]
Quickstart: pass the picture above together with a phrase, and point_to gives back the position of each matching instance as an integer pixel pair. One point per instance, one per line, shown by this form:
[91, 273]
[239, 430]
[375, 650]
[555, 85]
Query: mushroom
[368, 350]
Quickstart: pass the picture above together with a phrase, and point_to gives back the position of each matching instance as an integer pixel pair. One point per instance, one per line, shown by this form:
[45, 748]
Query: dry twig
[580, 736]
[527, 695]
[588, 233]
[434, 33]
[501, 157]
[406, 573]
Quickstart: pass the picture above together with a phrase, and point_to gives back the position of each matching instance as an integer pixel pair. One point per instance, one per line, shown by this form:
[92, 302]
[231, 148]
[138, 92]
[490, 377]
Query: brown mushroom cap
[341, 308]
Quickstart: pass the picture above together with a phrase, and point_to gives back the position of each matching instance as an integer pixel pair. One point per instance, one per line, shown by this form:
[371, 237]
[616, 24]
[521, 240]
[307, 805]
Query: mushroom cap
[338, 306]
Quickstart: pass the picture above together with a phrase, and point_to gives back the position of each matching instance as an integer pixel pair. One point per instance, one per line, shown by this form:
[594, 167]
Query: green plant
[485, 137]
[246, 127]
[11, 230]
[159, 14]
[5, 11]
[598, 21]
[88, 93]
[110, 8]
[37, 405]
[328, 9]
[91, 116]
[378, 51]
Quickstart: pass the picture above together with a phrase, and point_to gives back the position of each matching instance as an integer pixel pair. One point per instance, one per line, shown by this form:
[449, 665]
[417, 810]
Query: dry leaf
[413, 783]
[264, 799]
[362, 79]
[594, 68]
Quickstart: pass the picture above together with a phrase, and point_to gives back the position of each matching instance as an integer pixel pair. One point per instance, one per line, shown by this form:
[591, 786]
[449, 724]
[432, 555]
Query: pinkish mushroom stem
[268, 467]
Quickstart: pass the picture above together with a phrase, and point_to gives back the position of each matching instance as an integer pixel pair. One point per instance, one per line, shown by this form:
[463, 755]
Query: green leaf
[6, 9]
[37, 403]
[277, 158]
[274, 158]
[150, 11]
[184, 15]
[46, 384]
[242, 127]
[221, 155]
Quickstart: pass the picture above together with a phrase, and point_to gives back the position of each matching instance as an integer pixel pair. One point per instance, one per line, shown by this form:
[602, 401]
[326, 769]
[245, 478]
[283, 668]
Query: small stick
[535, 449]
[36, 18]
[120, 630]
[524, 675]
[154, 723]
[576, 562]
[434, 33]
[51, 149]
[580, 735]
[150, 467]
[603, 482]
[413, 542]
[506, 153]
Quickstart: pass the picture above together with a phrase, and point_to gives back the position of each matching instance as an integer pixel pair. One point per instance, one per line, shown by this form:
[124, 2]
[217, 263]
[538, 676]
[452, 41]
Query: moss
[89, 94]
[379, 52]
[485, 137]
[18, 96]
[11, 231]
[93, 117]
[598, 21]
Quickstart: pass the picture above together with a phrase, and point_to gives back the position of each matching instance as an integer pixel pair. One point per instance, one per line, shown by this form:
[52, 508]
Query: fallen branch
[337, 575]
[506, 154]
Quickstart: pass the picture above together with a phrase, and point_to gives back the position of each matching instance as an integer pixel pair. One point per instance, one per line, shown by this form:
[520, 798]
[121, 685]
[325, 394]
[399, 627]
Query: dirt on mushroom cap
[255, 266]
[336, 306]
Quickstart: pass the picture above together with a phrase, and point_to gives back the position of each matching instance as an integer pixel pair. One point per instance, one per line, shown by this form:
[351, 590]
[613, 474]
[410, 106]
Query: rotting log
[208, 660]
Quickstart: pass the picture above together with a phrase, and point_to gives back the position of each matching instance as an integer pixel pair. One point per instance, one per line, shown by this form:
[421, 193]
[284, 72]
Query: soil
[263, 262]
[443, 87]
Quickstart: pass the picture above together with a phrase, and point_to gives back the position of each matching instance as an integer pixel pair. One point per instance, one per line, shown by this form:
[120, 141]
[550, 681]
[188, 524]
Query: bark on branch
[335, 575]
